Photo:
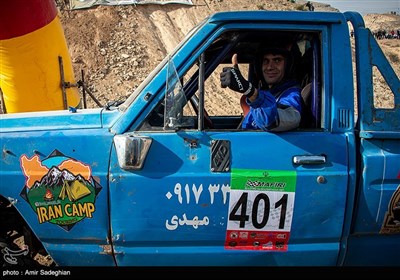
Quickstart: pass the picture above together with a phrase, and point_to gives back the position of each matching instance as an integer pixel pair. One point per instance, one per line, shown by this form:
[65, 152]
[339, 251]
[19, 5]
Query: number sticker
[260, 209]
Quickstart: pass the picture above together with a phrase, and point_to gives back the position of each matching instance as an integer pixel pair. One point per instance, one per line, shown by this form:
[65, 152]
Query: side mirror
[132, 150]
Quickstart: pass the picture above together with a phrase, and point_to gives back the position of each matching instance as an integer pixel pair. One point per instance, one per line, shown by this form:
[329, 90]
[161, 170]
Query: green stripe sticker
[263, 180]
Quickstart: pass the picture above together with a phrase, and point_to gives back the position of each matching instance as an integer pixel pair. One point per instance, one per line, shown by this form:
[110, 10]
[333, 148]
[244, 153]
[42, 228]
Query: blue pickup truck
[160, 180]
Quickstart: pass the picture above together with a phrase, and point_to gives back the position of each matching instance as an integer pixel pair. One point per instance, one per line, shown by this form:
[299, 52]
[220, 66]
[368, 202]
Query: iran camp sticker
[60, 189]
[261, 207]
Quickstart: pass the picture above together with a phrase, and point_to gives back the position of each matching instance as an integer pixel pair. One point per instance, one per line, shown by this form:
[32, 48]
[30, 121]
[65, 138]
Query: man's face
[273, 68]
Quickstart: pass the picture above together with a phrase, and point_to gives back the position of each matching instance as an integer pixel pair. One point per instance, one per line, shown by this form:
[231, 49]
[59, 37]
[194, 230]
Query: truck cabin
[305, 68]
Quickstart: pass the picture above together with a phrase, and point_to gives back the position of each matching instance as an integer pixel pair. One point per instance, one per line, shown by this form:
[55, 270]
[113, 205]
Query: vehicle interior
[206, 105]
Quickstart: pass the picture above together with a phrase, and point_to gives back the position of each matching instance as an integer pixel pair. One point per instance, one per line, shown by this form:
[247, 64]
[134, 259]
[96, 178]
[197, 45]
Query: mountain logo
[61, 190]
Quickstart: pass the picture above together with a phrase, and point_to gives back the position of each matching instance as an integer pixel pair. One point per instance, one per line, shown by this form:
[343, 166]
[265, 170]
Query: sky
[365, 6]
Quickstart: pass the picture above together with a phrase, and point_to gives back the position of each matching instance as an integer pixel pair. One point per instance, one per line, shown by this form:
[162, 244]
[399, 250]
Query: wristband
[250, 91]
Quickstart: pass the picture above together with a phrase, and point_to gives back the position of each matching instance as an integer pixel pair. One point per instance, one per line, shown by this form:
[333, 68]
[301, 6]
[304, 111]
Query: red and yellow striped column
[31, 41]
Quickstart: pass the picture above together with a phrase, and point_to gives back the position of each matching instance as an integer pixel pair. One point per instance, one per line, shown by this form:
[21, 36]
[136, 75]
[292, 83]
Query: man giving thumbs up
[277, 106]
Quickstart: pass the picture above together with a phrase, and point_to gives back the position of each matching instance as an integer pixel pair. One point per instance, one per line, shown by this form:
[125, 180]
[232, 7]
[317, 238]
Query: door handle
[309, 160]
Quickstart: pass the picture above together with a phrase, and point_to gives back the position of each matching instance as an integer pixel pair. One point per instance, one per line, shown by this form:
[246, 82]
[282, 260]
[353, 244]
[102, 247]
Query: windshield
[175, 99]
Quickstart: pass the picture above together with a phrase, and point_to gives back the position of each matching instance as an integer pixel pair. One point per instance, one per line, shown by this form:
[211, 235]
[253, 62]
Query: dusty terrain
[118, 46]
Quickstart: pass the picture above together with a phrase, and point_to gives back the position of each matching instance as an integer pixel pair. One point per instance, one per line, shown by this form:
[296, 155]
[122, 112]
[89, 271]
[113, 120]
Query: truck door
[177, 211]
[195, 190]
[375, 233]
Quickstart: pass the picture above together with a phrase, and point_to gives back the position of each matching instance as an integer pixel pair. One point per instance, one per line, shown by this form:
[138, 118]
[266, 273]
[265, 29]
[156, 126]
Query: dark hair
[274, 51]
[274, 48]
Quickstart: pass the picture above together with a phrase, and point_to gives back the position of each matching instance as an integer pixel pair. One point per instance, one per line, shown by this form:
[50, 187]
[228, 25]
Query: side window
[222, 101]
[222, 108]
[218, 108]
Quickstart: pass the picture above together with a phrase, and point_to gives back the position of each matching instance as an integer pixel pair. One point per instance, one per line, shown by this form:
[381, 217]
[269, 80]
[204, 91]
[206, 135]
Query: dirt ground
[116, 47]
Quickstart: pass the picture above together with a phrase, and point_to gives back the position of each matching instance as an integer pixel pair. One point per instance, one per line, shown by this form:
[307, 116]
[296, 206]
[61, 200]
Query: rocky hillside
[118, 46]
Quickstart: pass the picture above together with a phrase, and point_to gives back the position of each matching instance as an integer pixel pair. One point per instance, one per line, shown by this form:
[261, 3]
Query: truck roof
[284, 16]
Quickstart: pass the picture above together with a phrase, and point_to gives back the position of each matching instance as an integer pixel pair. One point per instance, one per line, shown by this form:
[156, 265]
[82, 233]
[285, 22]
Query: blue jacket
[278, 108]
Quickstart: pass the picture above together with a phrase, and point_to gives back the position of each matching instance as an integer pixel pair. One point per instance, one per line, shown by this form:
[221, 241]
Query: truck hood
[57, 120]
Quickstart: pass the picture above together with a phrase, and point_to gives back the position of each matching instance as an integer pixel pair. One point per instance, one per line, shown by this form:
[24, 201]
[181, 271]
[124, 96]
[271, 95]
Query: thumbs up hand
[235, 61]
[232, 78]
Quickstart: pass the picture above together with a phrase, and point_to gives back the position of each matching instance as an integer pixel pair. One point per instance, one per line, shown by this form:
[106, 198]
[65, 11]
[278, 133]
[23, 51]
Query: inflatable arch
[32, 45]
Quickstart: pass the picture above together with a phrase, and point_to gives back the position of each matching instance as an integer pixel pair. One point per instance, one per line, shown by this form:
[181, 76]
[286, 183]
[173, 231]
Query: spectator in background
[310, 6]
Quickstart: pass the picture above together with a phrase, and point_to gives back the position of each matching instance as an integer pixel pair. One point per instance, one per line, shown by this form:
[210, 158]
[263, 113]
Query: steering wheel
[207, 120]
[195, 104]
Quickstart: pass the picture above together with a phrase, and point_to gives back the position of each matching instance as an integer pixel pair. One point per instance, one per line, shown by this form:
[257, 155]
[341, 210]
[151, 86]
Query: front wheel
[19, 246]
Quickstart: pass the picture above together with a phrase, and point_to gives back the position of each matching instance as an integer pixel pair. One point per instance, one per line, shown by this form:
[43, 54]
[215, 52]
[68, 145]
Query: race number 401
[260, 209]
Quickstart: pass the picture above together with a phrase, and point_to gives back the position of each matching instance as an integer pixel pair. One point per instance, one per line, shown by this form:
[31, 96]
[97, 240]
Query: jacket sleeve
[289, 110]
[289, 118]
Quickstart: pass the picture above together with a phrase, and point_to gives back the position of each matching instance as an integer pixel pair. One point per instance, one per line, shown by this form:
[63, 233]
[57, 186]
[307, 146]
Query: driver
[276, 104]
